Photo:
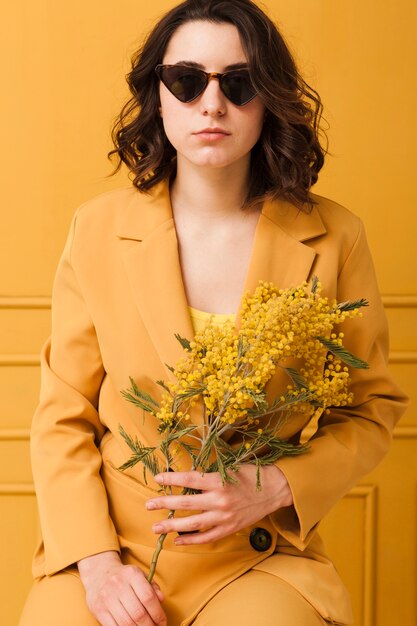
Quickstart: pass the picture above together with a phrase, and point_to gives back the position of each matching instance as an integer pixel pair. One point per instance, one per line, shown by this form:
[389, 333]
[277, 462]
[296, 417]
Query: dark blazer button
[260, 539]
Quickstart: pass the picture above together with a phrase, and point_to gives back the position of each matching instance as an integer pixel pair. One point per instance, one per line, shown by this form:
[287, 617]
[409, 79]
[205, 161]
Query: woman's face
[214, 46]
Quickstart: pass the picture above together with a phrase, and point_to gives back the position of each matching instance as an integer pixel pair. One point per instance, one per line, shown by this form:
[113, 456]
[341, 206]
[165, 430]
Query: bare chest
[215, 265]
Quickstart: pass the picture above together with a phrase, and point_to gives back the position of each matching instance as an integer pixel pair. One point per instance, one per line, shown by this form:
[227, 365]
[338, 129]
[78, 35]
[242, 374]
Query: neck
[209, 192]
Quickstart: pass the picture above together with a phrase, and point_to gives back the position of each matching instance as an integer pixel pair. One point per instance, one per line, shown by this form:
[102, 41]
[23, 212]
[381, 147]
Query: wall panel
[19, 528]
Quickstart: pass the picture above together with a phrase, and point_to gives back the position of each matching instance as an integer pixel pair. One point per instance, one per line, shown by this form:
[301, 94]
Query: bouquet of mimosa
[216, 411]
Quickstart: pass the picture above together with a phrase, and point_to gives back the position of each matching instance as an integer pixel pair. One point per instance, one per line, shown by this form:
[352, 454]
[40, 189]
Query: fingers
[123, 617]
[221, 509]
[107, 620]
[200, 527]
[150, 603]
[198, 502]
[208, 536]
[120, 595]
[188, 524]
[158, 592]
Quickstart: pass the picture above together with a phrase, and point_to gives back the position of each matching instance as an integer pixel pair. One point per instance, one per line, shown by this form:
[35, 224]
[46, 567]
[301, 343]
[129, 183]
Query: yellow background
[62, 82]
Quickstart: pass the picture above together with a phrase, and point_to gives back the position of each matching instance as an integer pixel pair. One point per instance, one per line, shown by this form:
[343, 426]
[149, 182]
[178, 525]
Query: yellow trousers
[254, 599]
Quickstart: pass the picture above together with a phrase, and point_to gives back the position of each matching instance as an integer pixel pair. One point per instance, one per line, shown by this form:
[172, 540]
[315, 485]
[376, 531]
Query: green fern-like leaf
[259, 399]
[143, 395]
[278, 405]
[226, 465]
[166, 452]
[314, 284]
[181, 397]
[221, 468]
[162, 384]
[191, 450]
[351, 305]
[133, 444]
[343, 354]
[182, 432]
[138, 402]
[129, 463]
[241, 348]
[141, 454]
[297, 379]
[184, 342]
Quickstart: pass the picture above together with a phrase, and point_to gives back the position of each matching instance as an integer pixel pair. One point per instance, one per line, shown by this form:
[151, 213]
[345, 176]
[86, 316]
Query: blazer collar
[152, 261]
[145, 212]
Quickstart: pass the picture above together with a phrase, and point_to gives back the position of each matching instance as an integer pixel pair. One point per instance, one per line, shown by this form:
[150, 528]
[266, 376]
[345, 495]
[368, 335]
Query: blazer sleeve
[66, 430]
[350, 441]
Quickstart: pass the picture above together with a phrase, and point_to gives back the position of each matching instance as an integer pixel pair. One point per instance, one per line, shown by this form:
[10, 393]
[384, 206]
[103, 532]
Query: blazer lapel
[152, 261]
[153, 267]
[279, 254]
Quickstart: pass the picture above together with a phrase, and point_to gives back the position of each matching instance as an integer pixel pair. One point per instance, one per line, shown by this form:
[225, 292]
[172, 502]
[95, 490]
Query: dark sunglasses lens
[184, 83]
[238, 87]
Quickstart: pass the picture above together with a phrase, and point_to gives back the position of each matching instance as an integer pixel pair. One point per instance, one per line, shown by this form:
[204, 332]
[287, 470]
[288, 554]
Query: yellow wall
[62, 82]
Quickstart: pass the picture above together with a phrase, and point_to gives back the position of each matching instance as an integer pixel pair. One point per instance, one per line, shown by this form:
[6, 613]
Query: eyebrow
[199, 66]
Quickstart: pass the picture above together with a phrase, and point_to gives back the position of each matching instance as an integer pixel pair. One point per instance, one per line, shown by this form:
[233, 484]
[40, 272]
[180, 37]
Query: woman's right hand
[120, 595]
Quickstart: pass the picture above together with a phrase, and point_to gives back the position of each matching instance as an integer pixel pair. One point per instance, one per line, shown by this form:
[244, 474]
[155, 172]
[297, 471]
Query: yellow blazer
[118, 299]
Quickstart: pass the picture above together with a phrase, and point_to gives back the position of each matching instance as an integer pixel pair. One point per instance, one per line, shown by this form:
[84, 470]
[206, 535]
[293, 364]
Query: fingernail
[158, 528]
[150, 505]
[158, 478]
[178, 541]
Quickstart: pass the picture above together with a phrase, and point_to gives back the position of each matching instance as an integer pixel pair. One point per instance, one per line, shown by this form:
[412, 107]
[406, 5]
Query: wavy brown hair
[287, 157]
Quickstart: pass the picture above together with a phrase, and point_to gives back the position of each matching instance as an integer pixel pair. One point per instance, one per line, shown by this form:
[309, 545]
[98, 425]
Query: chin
[214, 161]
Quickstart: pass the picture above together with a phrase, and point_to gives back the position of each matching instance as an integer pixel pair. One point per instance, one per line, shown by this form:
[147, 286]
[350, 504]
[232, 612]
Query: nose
[213, 100]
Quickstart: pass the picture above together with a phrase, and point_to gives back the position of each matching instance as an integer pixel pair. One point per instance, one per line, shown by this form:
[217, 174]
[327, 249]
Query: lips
[214, 130]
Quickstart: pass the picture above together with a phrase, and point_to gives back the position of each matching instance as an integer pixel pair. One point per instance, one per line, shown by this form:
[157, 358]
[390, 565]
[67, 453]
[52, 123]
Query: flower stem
[158, 549]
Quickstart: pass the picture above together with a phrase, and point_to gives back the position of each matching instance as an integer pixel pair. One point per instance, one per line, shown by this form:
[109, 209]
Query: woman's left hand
[222, 509]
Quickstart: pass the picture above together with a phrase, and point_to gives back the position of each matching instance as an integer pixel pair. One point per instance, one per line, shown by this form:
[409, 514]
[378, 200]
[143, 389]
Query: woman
[222, 138]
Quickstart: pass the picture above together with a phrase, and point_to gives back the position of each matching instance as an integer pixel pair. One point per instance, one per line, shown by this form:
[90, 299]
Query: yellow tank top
[200, 318]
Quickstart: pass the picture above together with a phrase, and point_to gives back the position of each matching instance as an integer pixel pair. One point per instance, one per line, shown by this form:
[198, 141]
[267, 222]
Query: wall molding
[16, 360]
[17, 489]
[23, 434]
[400, 432]
[369, 495]
[15, 434]
[403, 356]
[399, 301]
[44, 302]
[405, 432]
[25, 302]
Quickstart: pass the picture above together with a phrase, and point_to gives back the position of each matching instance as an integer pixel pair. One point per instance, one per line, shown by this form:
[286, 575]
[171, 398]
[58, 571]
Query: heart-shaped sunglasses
[187, 83]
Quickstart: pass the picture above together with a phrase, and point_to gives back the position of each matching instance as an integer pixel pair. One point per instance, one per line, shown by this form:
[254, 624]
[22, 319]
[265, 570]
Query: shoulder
[106, 208]
[327, 225]
[343, 228]
[126, 213]
[335, 215]
[96, 223]
[103, 218]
